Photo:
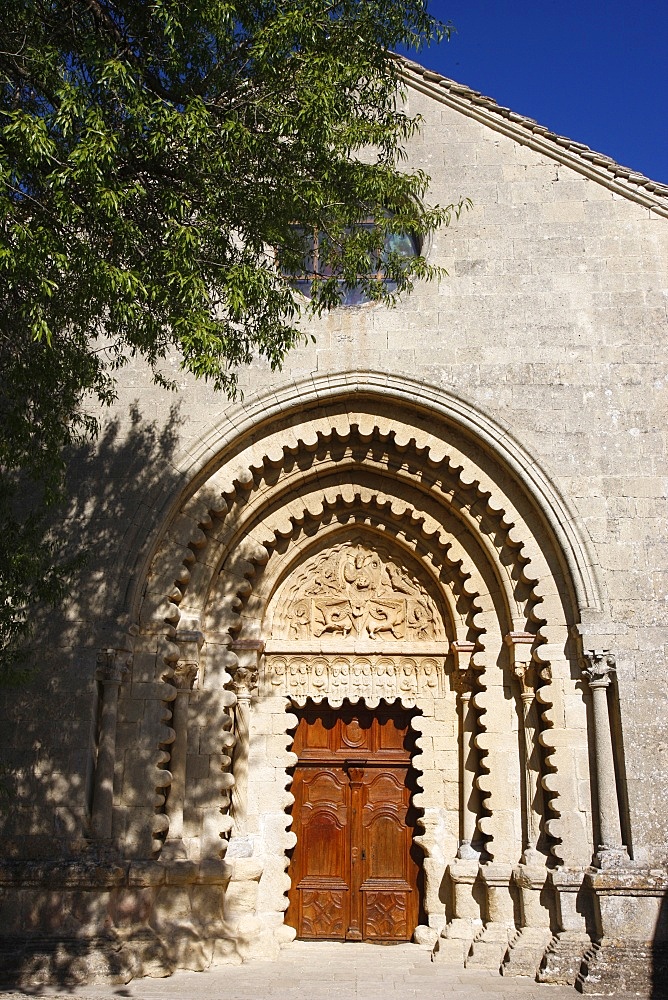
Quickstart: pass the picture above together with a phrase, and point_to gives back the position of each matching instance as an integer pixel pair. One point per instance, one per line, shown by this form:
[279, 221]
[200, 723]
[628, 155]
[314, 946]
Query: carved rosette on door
[354, 872]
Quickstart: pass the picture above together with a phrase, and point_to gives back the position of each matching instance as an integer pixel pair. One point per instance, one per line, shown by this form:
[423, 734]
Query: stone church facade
[451, 513]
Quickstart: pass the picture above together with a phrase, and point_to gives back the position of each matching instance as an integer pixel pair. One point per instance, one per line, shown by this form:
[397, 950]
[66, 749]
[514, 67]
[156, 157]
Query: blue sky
[595, 70]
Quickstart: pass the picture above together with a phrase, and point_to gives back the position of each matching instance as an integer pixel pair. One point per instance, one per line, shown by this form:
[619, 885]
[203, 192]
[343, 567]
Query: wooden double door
[354, 872]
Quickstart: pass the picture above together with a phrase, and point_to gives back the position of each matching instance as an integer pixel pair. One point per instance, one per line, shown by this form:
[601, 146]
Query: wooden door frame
[359, 770]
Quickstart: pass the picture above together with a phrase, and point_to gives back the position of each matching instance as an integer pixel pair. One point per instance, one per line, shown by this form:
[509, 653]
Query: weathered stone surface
[459, 504]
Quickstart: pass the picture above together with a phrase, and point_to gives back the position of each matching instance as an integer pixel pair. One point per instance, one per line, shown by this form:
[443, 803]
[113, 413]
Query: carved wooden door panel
[353, 872]
[324, 870]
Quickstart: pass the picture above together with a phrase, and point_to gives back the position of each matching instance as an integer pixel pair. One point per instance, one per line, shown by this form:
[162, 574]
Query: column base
[631, 954]
[489, 949]
[454, 944]
[526, 951]
[611, 857]
[173, 850]
[611, 967]
[563, 958]
[425, 936]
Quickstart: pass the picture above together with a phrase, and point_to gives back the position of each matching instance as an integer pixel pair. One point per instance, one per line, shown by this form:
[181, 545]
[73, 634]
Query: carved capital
[112, 665]
[462, 652]
[464, 681]
[520, 646]
[189, 642]
[463, 676]
[600, 665]
[185, 673]
[527, 675]
[244, 682]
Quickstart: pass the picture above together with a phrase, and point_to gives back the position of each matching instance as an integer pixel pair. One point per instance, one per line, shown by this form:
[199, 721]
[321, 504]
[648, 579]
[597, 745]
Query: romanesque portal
[357, 687]
[386, 557]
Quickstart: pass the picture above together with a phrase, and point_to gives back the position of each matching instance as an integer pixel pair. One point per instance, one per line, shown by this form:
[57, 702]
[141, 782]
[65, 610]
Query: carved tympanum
[354, 590]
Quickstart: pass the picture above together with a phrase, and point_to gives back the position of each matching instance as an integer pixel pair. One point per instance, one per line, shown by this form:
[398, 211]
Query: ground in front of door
[325, 970]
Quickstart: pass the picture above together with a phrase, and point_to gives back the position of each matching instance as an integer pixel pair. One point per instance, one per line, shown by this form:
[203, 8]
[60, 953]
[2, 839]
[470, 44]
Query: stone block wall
[551, 324]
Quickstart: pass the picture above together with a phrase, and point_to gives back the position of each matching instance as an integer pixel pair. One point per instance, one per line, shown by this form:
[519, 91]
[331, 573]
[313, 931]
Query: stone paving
[323, 971]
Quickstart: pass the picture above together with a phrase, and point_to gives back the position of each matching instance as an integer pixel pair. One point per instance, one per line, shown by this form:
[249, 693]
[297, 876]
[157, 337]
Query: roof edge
[597, 166]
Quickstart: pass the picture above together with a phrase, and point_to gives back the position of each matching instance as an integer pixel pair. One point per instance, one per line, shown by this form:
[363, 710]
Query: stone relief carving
[371, 678]
[355, 591]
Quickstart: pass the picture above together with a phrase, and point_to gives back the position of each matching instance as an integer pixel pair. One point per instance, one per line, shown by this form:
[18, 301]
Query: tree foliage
[161, 167]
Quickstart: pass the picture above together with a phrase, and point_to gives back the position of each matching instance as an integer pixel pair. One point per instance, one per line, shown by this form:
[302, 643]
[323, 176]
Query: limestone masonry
[457, 506]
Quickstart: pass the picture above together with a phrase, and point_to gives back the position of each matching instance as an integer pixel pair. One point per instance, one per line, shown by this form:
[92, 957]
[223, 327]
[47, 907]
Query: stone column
[112, 666]
[185, 673]
[244, 685]
[458, 934]
[464, 682]
[526, 671]
[599, 669]
[254, 936]
[528, 947]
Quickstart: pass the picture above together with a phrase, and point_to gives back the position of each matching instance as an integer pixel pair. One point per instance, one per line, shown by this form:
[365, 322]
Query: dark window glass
[400, 243]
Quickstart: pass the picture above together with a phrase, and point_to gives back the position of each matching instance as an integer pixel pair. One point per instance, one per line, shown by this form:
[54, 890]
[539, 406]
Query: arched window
[315, 264]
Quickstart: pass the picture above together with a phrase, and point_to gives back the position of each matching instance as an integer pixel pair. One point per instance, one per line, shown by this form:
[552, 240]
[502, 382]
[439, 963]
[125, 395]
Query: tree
[163, 168]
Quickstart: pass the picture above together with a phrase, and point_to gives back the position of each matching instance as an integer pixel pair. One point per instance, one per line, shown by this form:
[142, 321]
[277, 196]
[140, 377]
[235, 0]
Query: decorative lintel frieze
[369, 678]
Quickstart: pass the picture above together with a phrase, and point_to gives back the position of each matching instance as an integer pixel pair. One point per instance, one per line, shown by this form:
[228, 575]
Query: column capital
[244, 682]
[600, 665]
[520, 646]
[185, 673]
[190, 642]
[464, 682]
[112, 665]
[462, 652]
[463, 676]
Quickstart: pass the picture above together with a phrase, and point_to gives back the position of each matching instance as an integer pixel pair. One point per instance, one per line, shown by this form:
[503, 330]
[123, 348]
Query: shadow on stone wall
[49, 719]
[71, 909]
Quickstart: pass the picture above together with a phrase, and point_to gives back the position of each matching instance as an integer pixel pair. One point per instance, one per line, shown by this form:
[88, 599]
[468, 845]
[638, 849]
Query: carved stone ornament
[600, 665]
[112, 665]
[370, 678]
[244, 682]
[185, 673]
[355, 591]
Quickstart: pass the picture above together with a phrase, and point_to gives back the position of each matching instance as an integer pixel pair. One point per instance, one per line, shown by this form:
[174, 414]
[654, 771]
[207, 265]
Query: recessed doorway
[355, 870]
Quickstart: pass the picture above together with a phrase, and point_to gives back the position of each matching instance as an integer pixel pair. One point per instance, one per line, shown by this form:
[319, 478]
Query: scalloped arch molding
[253, 418]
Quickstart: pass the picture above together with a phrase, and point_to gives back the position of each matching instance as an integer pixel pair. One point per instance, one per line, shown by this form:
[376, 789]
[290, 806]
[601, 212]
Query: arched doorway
[443, 580]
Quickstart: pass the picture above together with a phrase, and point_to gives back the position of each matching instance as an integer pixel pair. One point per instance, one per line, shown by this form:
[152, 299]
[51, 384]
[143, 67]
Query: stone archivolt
[359, 545]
